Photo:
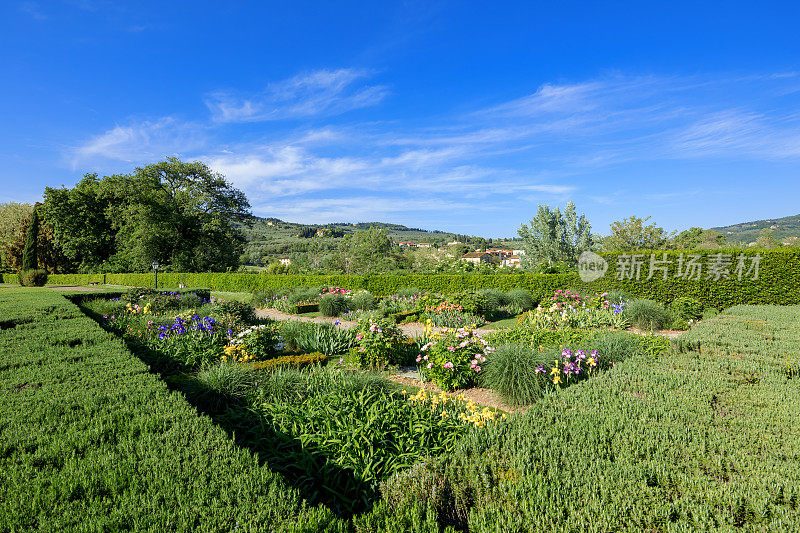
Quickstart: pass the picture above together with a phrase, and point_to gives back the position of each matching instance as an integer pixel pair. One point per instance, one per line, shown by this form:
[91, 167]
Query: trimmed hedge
[91, 440]
[778, 283]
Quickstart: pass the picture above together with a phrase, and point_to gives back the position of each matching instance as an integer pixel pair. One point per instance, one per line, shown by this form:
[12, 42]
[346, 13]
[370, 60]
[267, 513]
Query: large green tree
[632, 233]
[81, 219]
[13, 216]
[369, 251]
[183, 215]
[555, 236]
[700, 239]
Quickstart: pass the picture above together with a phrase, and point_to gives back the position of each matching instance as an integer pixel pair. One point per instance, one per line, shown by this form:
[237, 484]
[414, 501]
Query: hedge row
[90, 440]
[778, 281]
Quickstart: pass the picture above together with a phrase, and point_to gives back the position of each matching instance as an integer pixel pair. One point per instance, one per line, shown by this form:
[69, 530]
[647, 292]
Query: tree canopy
[630, 234]
[182, 215]
[554, 236]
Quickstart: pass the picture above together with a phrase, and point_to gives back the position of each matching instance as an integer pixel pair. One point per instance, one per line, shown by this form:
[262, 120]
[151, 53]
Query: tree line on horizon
[191, 219]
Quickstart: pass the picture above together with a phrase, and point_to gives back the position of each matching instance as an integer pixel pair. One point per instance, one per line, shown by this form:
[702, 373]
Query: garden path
[412, 330]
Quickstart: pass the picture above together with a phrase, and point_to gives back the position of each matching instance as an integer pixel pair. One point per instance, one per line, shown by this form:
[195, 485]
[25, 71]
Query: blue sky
[462, 116]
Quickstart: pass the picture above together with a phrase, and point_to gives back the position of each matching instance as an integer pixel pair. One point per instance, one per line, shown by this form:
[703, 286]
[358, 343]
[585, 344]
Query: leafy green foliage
[88, 429]
[32, 278]
[631, 234]
[555, 236]
[30, 259]
[672, 441]
[180, 214]
[311, 337]
[646, 314]
[333, 304]
[687, 308]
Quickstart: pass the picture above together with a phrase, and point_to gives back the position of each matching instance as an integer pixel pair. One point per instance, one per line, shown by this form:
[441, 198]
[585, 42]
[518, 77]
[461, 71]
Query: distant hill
[271, 237]
[782, 228]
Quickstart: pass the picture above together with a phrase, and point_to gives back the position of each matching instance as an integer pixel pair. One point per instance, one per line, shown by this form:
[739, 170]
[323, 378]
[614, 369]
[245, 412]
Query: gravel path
[414, 329]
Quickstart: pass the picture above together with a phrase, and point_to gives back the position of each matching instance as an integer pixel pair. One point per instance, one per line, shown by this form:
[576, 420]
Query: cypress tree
[29, 256]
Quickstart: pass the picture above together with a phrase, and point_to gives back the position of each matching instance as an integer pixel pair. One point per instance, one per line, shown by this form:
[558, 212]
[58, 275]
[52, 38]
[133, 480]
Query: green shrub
[333, 304]
[687, 308]
[646, 314]
[236, 311]
[378, 343]
[616, 296]
[32, 278]
[779, 274]
[521, 300]
[364, 301]
[511, 371]
[453, 359]
[472, 302]
[709, 313]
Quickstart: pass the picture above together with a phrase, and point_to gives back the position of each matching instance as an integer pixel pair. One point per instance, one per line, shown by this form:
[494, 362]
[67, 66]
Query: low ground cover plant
[91, 439]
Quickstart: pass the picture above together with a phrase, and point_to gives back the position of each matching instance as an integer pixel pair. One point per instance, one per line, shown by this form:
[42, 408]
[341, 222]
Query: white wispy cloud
[547, 146]
[139, 141]
[317, 93]
[33, 10]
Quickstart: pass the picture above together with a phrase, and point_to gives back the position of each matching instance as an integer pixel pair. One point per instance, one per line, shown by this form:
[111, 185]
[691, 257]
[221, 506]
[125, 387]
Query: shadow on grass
[313, 474]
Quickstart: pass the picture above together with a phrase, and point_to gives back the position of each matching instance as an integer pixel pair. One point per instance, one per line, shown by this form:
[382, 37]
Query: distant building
[478, 257]
[518, 252]
[406, 244]
[424, 245]
[511, 261]
[285, 261]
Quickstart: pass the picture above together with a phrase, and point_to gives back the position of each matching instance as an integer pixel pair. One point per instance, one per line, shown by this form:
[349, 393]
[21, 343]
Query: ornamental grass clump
[453, 358]
[512, 372]
[220, 384]
[520, 300]
[333, 304]
[363, 301]
[646, 314]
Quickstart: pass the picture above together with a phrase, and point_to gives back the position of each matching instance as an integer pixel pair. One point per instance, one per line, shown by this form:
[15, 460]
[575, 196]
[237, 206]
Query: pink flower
[477, 369]
[451, 348]
[430, 365]
[358, 337]
[419, 358]
[425, 357]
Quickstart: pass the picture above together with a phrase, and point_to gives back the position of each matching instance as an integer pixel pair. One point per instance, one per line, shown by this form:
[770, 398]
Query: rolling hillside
[272, 237]
[782, 228]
